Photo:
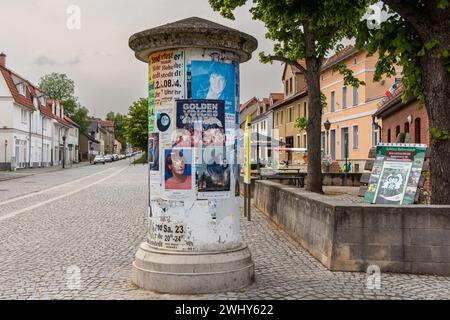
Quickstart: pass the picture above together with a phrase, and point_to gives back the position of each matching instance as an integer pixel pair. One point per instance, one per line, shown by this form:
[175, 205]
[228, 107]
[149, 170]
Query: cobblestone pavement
[97, 223]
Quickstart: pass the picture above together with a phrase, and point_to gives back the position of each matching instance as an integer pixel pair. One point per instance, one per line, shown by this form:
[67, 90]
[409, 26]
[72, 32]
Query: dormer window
[21, 88]
[35, 102]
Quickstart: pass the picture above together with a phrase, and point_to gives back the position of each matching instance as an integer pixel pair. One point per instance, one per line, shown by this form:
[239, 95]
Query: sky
[35, 37]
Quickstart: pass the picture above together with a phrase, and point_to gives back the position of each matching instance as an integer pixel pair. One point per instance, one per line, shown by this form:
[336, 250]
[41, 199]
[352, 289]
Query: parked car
[108, 158]
[99, 159]
[115, 157]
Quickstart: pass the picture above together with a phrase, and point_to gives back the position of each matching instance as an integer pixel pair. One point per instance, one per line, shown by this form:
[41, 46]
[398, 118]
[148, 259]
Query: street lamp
[64, 151]
[327, 125]
[6, 146]
[89, 152]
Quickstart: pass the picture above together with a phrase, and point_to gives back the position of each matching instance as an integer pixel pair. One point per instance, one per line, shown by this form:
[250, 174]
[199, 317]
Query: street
[94, 217]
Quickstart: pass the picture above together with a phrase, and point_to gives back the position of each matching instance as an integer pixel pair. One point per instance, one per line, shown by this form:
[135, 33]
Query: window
[290, 114]
[406, 127]
[35, 102]
[389, 136]
[23, 116]
[355, 96]
[281, 116]
[304, 109]
[417, 130]
[323, 140]
[333, 94]
[397, 131]
[355, 137]
[290, 85]
[298, 110]
[21, 88]
[298, 142]
[286, 89]
[354, 61]
[305, 142]
[344, 97]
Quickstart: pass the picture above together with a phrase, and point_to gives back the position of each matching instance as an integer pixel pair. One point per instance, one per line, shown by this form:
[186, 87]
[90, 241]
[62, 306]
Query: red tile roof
[248, 103]
[73, 123]
[106, 123]
[338, 55]
[27, 100]
[276, 97]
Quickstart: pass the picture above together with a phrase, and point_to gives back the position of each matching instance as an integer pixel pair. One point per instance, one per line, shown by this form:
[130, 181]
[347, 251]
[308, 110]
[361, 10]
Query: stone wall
[411, 239]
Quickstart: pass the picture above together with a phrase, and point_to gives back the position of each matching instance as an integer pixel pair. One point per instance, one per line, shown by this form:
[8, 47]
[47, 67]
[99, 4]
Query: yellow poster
[247, 145]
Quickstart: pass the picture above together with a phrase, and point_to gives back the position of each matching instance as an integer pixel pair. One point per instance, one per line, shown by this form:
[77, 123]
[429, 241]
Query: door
[333, 144]
[344, 143]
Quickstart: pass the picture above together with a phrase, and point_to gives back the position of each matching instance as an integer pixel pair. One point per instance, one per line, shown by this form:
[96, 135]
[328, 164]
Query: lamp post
[89, 151]
[327, 125]
[6, 146]
[64, 152]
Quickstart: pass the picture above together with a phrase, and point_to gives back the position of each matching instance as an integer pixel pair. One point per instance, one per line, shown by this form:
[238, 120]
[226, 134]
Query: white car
[99, 159]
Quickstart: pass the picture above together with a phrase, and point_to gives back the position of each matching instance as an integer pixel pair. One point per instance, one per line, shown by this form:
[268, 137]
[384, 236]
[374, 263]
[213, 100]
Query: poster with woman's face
[178, 182]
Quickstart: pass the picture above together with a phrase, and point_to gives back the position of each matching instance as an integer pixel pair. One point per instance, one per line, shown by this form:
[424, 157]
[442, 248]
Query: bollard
[193, 240]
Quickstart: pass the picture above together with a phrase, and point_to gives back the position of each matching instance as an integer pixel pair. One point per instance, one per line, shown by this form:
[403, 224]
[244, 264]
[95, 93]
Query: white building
[30, 131]
[262, 129]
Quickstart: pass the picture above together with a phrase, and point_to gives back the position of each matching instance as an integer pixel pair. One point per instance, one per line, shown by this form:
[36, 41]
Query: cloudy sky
[37, 41]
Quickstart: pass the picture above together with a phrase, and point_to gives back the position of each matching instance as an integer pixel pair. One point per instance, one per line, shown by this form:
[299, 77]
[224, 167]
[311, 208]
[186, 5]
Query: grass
[141, 160]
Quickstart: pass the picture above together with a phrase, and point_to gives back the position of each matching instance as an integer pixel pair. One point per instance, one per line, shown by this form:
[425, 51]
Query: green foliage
[398, 43]
[142, 160]
[81, 117]
[136, 124]
[349, 78]
[58, 86]
[438, 136]
[331, 21]
[301, 123]
[323, 100]
[119, 126]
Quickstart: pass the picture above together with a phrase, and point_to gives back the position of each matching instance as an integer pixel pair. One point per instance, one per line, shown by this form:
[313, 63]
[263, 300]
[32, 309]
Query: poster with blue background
[214, 80]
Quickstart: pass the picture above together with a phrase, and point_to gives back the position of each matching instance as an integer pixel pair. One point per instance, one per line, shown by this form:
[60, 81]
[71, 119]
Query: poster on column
[214, 174]
[214, 80]
[178, 173]
[154, 165]
[165, 121]
[200, 123]
[166, 80]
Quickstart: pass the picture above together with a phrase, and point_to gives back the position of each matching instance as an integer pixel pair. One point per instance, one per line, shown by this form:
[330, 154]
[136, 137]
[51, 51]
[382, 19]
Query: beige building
[286, 112]
[350, 109]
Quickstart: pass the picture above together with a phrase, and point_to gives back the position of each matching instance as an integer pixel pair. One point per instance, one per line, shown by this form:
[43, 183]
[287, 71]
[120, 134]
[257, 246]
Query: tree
[305, 30]
[136, 124]
[416, 36]
[59, 87]
[119, 126]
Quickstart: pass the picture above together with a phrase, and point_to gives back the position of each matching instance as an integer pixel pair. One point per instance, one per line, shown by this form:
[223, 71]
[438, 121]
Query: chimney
[2, 60]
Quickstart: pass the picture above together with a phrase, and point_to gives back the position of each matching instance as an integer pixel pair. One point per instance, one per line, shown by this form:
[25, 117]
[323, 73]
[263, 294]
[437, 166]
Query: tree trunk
[314, 177]
[436, 85]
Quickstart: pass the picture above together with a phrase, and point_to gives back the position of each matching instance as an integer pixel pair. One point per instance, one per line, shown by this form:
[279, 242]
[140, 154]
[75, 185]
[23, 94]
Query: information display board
[395, 174]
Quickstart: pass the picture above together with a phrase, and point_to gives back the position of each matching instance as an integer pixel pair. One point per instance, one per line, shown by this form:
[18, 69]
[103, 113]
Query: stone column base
[192, 272]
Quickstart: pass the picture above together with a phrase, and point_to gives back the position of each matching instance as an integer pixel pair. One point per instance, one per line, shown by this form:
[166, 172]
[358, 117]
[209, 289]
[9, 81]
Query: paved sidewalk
[21, 173]
[98, 230]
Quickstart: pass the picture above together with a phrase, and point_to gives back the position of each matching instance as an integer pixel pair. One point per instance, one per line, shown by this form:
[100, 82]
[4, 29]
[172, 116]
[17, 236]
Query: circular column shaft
[193, 243]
